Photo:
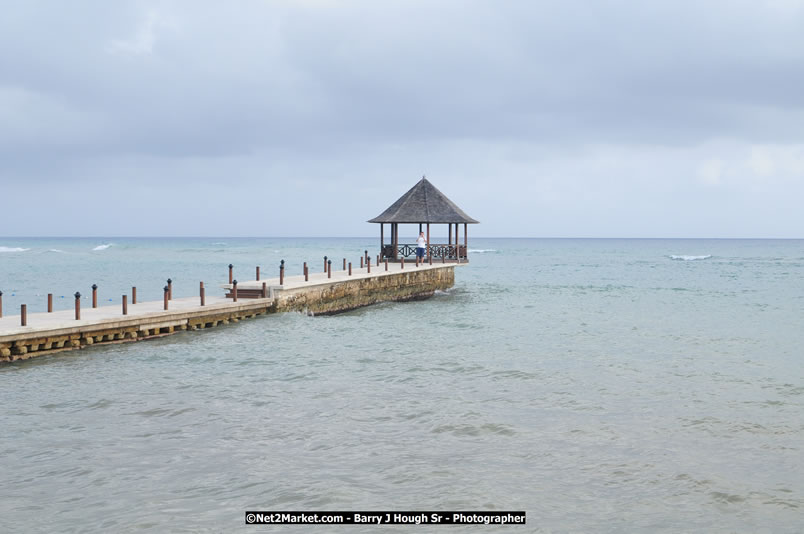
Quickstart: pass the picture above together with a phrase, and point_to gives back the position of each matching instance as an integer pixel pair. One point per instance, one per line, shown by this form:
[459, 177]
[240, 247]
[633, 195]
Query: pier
[321, 293]
[322, 288]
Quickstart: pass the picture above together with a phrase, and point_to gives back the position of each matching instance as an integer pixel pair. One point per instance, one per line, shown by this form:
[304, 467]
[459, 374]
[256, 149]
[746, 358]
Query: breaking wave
[689, 258]
[481, 250]
[13, 249]
[102, 247]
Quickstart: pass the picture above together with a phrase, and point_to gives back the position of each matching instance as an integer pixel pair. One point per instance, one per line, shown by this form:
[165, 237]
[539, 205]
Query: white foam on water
[481, 250]
[682, 257]
[55, 250]
[102, 247]
[13, 249]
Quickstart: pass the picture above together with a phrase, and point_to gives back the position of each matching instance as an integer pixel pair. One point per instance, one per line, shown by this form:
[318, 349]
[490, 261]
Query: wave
[102, 247]
[481, 250]
[218, 243]
[689, 258]
[55, 250]
[13, 249]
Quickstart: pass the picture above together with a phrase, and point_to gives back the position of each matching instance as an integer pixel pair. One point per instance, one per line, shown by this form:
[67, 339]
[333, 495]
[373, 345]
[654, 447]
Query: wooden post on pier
[258, 273]
[234, 290]
[264, 290]
[325, 264]
[133, 295]
[368, 264]
[282, 272]
[386, 264]
[350, 268]
[329, 269]
[344, 264]
[77, 306]
[166, 298]
[201, 292]
[23, 314]
[125, 304]
[1, 304]
[50, 302]
[170, 289]
[231, 267]
[361, 262]
[306, 274]
[94, 295]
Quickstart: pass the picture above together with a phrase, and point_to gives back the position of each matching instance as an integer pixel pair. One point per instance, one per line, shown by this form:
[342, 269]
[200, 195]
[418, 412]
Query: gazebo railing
[437, 251]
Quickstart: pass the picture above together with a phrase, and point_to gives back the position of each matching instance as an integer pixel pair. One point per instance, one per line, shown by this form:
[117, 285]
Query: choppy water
[600, 385]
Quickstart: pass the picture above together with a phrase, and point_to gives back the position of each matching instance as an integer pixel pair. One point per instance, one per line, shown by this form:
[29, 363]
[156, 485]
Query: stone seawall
[347, 295]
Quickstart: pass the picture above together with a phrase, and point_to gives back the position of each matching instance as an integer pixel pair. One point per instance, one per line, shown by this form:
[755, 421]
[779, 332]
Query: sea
[599, 385]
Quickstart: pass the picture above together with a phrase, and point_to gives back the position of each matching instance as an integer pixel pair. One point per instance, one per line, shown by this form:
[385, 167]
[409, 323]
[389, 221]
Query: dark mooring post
[378, 260]
[344, 264]
[125, 304]
[325, 264]
[234, 290]
[282, 272]
[1, 303]
[361, 262]
[23, 314]
[306, 274]
[258, 273]
[231, 267]
[94, 295]
[50, 302]
[365, 254]
[350, 268]
[264, 290]
[170, 289]
[165, 298]
[133, 294]
[386, 264]
[77, 306]
[201, 293]
[329, 269]
[368, 265]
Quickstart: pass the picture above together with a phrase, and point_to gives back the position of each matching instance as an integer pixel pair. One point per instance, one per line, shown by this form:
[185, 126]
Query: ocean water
[599, 385]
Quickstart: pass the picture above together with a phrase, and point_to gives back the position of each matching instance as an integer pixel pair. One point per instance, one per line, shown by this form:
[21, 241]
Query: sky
[309, 117]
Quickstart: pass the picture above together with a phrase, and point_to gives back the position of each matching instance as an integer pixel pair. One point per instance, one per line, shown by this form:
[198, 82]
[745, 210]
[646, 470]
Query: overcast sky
[308, 117]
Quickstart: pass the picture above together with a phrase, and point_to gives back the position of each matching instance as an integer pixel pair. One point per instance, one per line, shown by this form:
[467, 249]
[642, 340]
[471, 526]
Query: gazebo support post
[428, 240]
[466, 239]
[382, 240]
[457, 247]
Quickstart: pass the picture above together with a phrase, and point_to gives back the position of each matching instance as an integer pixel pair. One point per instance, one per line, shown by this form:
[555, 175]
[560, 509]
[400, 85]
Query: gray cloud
[588, 110]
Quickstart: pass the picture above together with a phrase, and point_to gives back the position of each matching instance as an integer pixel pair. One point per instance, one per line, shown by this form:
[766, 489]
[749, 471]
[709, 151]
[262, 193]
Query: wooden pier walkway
[321, 293]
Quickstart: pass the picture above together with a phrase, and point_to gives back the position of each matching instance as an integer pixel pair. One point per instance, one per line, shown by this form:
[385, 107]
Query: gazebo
[424, 205]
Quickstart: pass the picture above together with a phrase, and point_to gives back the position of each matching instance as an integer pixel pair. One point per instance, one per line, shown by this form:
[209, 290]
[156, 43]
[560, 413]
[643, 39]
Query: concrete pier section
[322, 293]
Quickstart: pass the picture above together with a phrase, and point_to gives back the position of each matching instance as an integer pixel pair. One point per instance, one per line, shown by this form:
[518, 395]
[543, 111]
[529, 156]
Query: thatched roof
[423, 204]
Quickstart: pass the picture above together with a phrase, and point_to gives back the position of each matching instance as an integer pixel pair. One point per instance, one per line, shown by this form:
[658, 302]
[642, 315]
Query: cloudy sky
[308, 117]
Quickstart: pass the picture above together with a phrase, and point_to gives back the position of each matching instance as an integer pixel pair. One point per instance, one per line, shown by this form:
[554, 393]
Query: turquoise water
[600, 385]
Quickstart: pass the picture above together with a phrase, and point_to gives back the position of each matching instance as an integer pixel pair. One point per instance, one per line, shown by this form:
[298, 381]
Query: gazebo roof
[423, 204]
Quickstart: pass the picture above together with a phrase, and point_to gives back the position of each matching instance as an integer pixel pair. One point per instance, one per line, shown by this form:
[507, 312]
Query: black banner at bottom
[475, 517]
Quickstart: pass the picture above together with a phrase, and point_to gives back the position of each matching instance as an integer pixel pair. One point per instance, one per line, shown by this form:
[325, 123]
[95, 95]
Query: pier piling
[350, 268]
[133, 295]
[282, 272]
[201, 293]
[23, 314]
[234, 290]
[344, 264]
[77, 306]
[1, 304]
[258, 273]
[230, 272]
[165, 299]
[368, 264]
[125, 304]
[306, 274]
[50, 302]
[170, 289]
[94, 295]
[329, 269]
[361, 262]
[264, 290]
[325, 264]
